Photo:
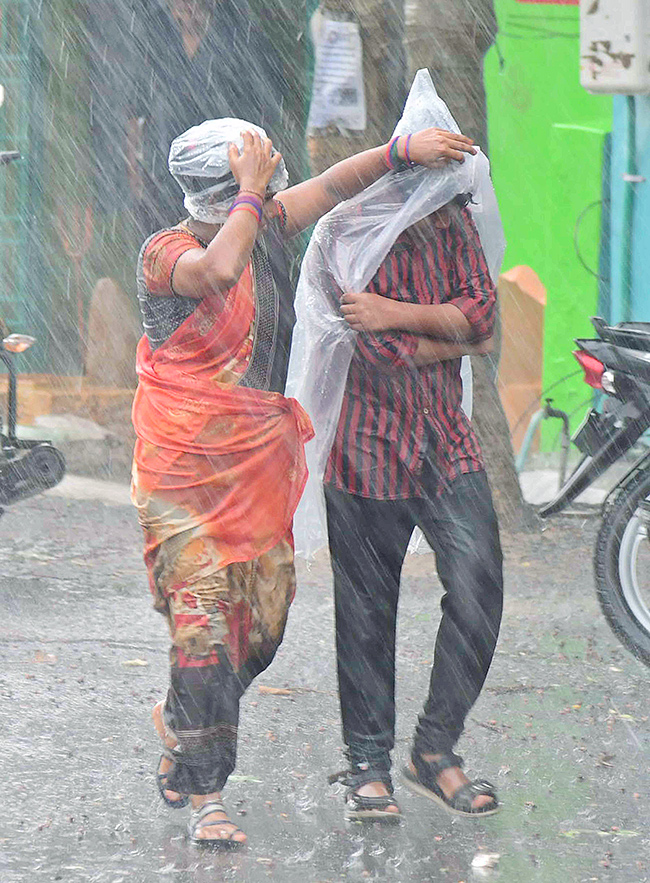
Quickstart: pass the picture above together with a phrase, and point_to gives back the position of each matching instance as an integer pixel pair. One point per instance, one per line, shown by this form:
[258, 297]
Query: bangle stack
[393, 160]
[248, 201]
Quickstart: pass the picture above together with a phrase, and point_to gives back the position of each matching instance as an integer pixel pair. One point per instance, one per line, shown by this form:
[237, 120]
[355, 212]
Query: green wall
[546, 138]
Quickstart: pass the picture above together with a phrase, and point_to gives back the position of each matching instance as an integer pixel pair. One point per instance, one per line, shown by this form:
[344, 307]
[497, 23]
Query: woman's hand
[253, 168]
[436, 147]
[364, 311]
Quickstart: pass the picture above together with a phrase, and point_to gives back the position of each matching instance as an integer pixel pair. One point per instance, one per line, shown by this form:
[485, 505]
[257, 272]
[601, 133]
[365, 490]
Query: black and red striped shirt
[395, 415]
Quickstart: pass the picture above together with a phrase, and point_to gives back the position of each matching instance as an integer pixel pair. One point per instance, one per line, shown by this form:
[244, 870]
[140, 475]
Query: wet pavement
[561, 728]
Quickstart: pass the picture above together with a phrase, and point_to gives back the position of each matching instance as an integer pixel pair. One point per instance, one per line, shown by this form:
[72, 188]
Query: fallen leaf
[41, 656]
[578, 831]
[276, 691]
[135, 662]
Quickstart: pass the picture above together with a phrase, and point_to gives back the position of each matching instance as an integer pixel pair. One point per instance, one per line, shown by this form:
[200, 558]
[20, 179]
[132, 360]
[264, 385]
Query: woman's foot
[213, 826]
[165, 763]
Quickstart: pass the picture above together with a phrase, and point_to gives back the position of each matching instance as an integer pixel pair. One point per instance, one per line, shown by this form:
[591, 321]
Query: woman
[219, 463]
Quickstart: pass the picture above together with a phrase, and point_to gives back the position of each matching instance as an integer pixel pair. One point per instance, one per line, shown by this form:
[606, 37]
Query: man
[405, 455]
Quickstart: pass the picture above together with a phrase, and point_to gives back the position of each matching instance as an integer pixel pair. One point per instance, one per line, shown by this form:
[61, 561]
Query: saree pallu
[212, 458]
[218, 472]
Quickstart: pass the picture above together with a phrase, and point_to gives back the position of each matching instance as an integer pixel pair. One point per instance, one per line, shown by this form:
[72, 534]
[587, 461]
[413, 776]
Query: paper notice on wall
[338, 95]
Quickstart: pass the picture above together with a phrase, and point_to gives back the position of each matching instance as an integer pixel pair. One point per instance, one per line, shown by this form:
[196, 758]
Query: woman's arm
[200, 273]
[307, 202]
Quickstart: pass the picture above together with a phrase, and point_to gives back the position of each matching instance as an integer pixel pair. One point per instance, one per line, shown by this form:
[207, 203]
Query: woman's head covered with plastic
[198, 160]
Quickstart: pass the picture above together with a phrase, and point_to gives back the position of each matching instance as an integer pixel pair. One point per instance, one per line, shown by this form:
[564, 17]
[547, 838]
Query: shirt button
[426, 410]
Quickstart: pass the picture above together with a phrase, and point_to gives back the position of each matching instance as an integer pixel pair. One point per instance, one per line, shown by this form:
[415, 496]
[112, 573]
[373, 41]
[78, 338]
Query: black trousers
[368, 541]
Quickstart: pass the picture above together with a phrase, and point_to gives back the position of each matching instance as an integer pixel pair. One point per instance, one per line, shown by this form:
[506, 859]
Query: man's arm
[403, 351]
[365, 311]
[430, 351]
[467, 316]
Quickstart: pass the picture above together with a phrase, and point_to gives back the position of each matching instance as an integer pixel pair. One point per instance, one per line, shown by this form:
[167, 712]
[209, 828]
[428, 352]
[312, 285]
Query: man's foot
[441, 778]
[378, 789]
[173, 798]
[209, 822]
[368, 799]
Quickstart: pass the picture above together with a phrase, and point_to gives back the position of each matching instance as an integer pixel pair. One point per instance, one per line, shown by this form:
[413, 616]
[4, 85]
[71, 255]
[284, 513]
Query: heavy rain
[324, 411]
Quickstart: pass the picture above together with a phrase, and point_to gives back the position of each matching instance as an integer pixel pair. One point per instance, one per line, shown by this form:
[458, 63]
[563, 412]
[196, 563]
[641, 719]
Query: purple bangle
[254, 201]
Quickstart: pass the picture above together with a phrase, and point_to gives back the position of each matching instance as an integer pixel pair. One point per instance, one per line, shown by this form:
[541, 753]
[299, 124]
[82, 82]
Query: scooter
[618, 363]
[27, 466]
[614, 364]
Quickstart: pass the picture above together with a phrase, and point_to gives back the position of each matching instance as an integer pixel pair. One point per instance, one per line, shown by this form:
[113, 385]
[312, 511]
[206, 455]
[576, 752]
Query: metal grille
[14, 125]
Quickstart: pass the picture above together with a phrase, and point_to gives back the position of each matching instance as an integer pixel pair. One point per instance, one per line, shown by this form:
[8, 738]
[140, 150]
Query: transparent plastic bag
[201, 155]
[348, 246]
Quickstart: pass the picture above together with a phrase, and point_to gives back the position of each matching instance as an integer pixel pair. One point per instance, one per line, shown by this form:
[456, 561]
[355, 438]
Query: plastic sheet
[200, 156]
[348, 245]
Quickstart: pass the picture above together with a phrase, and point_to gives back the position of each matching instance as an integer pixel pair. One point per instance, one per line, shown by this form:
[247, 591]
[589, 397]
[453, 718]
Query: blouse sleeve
[160, 258]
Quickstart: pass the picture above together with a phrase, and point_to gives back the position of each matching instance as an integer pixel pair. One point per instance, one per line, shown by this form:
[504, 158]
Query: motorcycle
[618, 364]
[27, 466]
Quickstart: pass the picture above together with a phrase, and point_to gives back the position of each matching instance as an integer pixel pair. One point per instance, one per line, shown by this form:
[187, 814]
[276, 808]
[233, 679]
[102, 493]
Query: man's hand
[436, 147]
[364, 311]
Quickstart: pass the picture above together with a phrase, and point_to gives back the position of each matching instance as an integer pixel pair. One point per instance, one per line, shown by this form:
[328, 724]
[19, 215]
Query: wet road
[562, 726]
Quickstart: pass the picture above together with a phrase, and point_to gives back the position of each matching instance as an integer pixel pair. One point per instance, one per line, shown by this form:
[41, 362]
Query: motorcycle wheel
[622, 566]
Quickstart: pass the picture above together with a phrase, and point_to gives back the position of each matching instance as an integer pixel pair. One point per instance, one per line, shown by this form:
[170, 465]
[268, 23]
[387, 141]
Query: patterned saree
[218, 471]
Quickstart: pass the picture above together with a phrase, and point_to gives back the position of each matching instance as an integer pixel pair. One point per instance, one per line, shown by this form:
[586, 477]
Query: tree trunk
[451, 37]
[381, 24]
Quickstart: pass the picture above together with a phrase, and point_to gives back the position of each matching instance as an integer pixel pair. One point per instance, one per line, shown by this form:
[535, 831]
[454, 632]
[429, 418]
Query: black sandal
[161, 782]
[423, 781]
[198, 820]
[362, 808]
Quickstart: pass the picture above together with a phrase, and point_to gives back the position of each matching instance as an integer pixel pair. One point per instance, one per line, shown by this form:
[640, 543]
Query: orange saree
[213, 459]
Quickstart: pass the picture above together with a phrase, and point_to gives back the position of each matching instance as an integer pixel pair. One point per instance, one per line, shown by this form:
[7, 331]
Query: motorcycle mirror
[18, 343]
